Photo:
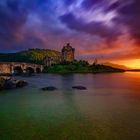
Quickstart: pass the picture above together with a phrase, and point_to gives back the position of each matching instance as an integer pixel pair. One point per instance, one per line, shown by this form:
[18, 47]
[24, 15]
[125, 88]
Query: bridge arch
[38, 70]
[30, 70]
[18, 70]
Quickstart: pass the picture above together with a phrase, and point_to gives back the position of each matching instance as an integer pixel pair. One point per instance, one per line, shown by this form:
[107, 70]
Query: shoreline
[10, 75]
[82, 72]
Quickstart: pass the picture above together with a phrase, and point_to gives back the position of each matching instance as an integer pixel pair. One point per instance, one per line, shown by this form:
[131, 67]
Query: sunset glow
[134, 64]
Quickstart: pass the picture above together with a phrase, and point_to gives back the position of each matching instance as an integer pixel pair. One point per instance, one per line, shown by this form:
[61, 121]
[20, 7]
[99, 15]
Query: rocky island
[80, 67]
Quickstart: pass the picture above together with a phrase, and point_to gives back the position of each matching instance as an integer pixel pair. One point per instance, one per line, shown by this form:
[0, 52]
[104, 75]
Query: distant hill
[30, 56]
[135, 70]
[116, 66]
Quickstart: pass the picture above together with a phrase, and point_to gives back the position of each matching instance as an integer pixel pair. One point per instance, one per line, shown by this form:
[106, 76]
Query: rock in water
[10, 84]
[21, 84]
[79, 87]
[49, 88]
[2, 83]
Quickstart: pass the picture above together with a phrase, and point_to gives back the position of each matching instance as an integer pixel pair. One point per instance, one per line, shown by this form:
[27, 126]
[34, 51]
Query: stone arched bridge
[19, 67]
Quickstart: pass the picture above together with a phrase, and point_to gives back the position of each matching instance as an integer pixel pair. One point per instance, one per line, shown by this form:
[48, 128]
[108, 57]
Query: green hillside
[29, 56]
[80, 67]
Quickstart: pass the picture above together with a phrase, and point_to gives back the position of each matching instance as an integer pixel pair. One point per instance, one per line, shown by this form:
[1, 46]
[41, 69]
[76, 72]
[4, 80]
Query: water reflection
[69, 94]
[109, 108]
[67, 81]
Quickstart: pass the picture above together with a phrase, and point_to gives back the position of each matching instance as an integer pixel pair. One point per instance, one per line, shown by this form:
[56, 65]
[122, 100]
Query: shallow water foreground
[108, 110]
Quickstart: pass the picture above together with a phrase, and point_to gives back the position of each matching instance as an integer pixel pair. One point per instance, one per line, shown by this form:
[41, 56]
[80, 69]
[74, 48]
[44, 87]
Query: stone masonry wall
[5, 69]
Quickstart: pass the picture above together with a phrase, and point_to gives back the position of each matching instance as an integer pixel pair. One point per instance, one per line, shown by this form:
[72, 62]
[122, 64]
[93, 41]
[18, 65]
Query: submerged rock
[20, 84]
[79, 87]
[11, 83]
[49, 88]
[2, 83]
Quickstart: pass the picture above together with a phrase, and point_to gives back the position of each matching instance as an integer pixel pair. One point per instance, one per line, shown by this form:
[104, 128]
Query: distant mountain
[30, 56]
[135, 70]
[116, 66]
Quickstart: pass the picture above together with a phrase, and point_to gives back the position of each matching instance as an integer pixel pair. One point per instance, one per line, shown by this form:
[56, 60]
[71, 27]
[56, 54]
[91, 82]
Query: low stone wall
[8, 67]
[5, 69]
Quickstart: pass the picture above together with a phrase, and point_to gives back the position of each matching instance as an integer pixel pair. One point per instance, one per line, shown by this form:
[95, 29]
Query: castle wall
[68, 53]
[68, 56]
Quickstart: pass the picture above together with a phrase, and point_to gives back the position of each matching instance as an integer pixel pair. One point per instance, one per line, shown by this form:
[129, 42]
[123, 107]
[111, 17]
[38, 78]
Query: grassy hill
[29, 56]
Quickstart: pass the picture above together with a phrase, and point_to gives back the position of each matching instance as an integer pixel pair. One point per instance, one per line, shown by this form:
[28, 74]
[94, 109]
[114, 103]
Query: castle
[66, 55]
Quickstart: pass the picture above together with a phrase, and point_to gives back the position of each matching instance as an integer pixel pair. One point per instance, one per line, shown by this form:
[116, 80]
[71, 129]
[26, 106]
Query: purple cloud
[93, 28]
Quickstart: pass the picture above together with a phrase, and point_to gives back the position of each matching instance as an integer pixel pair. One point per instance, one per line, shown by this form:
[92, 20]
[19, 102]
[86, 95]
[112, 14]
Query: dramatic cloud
[94, 28]
[129, 15]
[105, 29]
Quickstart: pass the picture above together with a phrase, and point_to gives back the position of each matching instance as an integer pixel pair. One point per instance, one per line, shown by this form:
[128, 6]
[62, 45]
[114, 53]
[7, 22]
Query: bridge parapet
[9, 67]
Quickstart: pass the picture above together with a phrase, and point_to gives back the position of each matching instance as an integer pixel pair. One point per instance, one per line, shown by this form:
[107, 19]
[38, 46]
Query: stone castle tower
[68, 53]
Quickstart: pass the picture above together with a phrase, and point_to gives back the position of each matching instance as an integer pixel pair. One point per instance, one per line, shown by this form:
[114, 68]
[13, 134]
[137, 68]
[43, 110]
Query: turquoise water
[108, 110]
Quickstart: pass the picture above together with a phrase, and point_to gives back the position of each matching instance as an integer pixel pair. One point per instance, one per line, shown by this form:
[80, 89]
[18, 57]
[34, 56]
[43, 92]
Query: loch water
[108, 110]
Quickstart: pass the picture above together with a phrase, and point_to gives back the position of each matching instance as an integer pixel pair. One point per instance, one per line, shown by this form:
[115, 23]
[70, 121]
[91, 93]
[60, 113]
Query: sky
[108, 30]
